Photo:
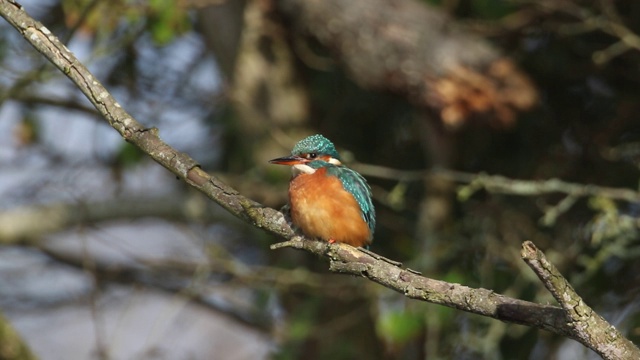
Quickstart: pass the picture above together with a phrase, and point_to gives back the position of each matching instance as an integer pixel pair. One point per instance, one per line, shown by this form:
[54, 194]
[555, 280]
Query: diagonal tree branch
[343, 258]
[587, 325]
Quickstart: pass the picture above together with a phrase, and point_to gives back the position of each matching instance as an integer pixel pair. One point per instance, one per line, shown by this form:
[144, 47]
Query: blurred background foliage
[233, 84]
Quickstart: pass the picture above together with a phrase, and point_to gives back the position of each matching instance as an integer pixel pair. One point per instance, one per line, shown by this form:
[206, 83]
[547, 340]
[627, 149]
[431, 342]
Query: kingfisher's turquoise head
[312, 148]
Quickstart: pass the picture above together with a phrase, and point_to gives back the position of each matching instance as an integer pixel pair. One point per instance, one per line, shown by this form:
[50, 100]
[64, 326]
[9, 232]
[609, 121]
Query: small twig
[559, 287]
[588, 327]
[378, 257]
[609, 22]
[500, 184]
[295, 242]
[552, 213]
[614, 50]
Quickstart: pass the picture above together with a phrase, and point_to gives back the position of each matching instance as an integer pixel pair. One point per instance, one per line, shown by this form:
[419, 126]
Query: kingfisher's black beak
[289, 160]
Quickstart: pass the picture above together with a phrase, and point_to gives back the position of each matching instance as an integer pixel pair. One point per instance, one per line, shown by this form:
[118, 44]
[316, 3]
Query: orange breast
[323, 209]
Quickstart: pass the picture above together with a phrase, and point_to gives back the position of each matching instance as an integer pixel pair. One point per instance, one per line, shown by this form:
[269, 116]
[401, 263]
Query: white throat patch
[298, 169]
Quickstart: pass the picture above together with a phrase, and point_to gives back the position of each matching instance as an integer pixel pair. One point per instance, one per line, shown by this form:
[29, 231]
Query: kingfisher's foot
[332, 241]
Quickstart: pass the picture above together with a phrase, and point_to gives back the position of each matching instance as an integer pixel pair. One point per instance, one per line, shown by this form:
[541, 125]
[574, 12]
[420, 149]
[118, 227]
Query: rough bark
[587, 326]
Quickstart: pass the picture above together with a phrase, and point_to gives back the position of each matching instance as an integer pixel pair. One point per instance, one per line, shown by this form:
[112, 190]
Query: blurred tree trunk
[266, 96]
[221, 25]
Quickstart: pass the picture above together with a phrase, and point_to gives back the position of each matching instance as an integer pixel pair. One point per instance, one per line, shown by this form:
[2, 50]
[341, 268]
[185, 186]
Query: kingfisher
[328, 200]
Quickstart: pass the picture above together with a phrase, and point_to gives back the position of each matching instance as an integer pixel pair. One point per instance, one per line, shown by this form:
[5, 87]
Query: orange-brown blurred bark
[417, 51]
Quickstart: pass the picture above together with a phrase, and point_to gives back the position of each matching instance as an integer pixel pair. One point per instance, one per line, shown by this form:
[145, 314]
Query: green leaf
[166, 20]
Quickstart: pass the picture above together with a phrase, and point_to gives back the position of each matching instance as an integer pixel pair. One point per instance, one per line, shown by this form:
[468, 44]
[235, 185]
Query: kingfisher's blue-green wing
[357, 185]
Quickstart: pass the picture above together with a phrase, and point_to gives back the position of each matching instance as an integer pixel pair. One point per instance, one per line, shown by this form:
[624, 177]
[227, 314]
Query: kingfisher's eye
[312, 155]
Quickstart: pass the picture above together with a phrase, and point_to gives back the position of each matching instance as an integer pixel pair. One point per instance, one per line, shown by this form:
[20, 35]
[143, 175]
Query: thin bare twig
[609, 22]
[500, 184]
